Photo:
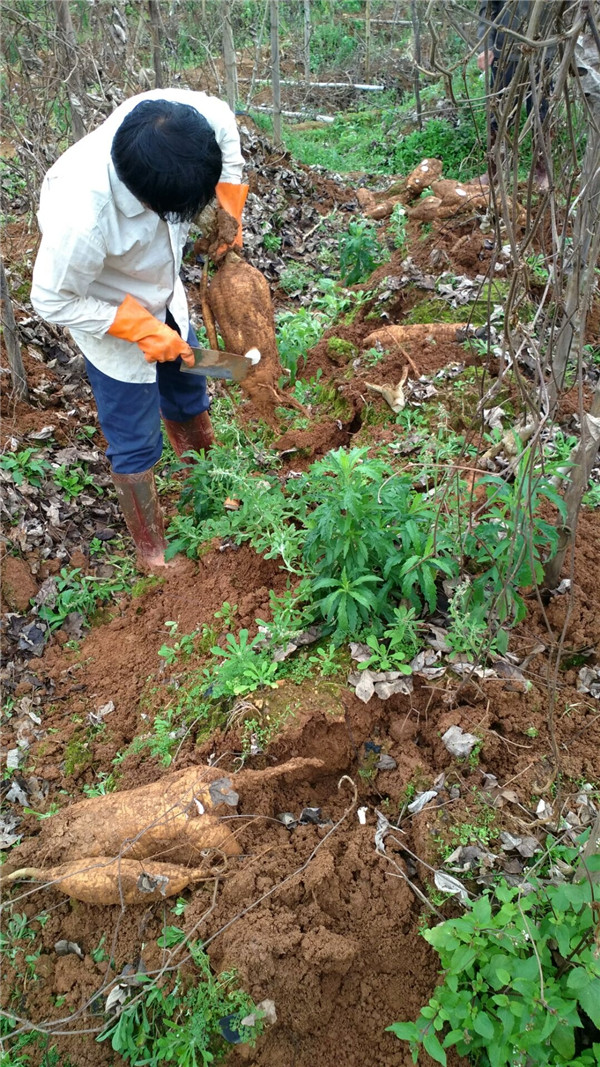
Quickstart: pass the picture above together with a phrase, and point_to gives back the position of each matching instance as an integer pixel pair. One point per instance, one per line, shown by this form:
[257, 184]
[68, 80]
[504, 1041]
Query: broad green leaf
[462, 959]
[435, 1050]
[589, 998]
[483, 1025]
[579, 978]
[404, 1031]
[453, 1037]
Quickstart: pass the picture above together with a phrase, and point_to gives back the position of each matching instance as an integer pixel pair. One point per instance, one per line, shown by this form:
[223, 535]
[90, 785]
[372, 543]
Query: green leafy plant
[538, 268]
[25, 466]
[99, 953]
[184, 645]
[74, 480]
[333, 301]
[372, 356]
[16, 932]
[41, 815]
[369, 529]
[185, 535]
[263, 514]
[296, 278]
[349, 603]
[509, 544]
[521, 980]
[461, 145]
[105, 784]
[244, 668]
[397, 226]
[82, 593]
[226, 614]
[271, 242]
[167, 731]
[18, 1051]
[297, 332]
[470, 631]
[183, 1025]
[360, 251]
[327, 661]
[401, 641]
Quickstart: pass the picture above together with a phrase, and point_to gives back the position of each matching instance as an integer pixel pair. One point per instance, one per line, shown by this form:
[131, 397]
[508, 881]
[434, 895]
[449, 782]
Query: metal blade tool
[213, 363]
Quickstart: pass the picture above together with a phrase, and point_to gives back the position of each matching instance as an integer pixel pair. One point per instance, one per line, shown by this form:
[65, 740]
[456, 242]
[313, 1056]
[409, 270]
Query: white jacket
[100, 243]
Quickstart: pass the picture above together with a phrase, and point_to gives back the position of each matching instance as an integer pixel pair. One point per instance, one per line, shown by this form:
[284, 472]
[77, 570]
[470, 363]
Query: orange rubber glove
[158, 342]
[232, 199]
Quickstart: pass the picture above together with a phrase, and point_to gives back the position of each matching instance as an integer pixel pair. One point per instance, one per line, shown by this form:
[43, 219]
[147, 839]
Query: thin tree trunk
[417, 58]
[11, 338]
[72, 70]
[307, 34]
[578, 298]
[368, 37]
[257, 52]
[155, 27]
[582, 281]
[229, 56]
[274, 13]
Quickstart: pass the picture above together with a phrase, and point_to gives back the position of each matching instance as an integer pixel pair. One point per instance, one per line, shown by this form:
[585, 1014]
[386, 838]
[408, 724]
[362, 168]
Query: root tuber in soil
[173, 818]
[103, 880]
[389, 336]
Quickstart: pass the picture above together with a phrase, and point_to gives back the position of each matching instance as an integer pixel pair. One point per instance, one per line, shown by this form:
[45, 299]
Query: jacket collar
[127, 203]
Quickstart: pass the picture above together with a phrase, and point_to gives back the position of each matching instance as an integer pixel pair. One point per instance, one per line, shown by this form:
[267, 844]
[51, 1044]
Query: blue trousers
[129, 412]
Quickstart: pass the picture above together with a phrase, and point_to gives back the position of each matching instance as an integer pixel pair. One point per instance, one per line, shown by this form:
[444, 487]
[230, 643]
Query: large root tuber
[103, 880]
[428, 171]
[384, 209]
[173, 818]
[457, 197]
[240, 300]
[426, 210]
[421, 332]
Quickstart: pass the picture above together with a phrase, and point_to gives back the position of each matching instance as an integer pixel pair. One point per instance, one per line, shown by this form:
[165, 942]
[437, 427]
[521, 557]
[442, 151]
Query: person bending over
[114, 214]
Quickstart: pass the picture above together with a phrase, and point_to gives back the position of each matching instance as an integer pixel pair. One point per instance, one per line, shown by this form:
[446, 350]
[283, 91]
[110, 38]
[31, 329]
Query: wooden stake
[274, 14]
[229, 58]
[11, 338]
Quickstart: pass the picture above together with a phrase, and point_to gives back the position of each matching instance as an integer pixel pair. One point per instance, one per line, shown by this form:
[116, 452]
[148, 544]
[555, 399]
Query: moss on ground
[477, 313]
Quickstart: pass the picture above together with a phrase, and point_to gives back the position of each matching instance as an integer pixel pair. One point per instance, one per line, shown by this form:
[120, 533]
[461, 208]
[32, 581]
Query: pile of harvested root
[448, 197]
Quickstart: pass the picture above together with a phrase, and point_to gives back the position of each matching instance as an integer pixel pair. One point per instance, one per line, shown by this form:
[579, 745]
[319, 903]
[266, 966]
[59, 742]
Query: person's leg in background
[184, 404]
[130, 419]
[501, 74]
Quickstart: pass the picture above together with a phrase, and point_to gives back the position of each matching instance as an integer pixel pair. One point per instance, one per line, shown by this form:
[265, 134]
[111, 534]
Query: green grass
[373, 141]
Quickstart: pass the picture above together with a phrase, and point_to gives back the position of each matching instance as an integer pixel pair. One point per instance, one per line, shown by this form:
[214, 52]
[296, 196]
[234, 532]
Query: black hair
[167, 155]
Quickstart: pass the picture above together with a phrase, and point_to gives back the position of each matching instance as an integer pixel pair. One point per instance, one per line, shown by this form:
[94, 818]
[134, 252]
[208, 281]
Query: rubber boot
[195, 435]
[138, 499]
